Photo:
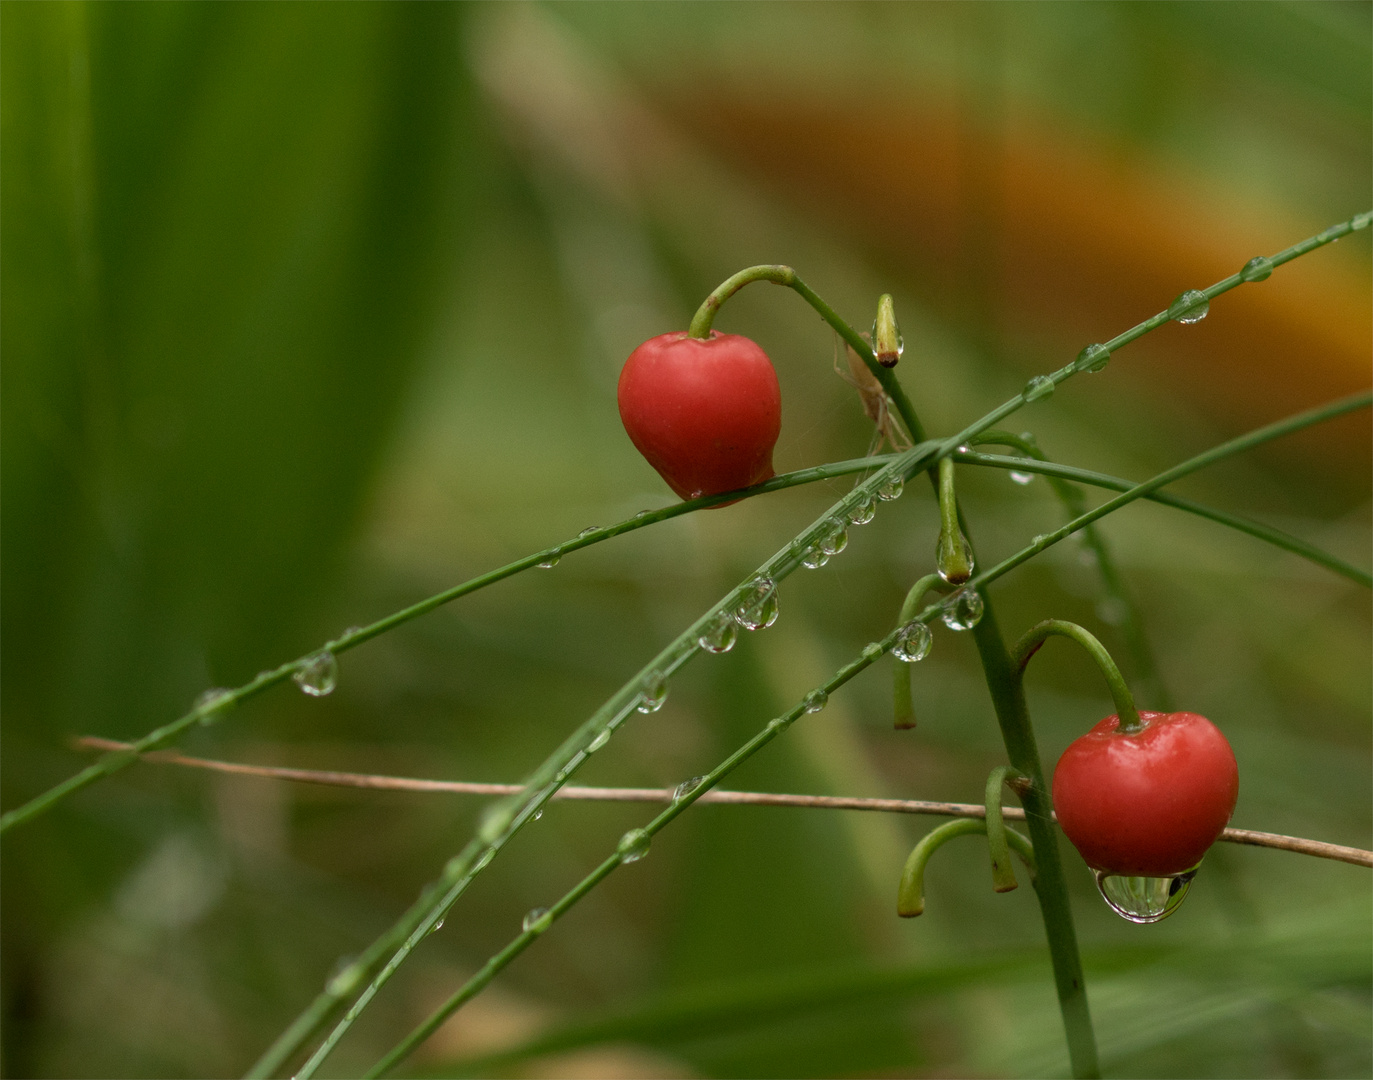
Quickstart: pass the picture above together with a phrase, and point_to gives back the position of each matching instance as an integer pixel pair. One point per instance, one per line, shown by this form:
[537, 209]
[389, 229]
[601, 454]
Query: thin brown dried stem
[1318, 848]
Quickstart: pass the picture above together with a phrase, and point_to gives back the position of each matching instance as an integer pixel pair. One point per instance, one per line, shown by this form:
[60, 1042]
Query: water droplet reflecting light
[1021, 477]
[757, 608]
[892, 489]
[536, 919]
[213, 704]
[1143, 899]
[1190, 307]
[1093, 358]
[816, 700]
[1259, 268]
[652, 694]
[720, 635]
[963, 610]
[318, 675]
[863, 512]
[835, 539]
[634, 845]
[912, 642]
[686, 787]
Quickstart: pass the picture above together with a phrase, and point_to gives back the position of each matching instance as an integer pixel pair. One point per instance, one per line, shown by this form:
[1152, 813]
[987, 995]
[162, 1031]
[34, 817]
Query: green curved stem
[1003, 874]
[903, 708]
[1257, 529]
[785, 275]
[1113, 585]
[910, 895]
[1034, 639]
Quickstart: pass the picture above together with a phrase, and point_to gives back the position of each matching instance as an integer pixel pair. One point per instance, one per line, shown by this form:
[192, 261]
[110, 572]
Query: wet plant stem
[1008, 701]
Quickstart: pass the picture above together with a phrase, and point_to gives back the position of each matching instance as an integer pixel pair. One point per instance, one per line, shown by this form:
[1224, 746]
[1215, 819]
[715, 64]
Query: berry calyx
[1150, 802]
[705, 412]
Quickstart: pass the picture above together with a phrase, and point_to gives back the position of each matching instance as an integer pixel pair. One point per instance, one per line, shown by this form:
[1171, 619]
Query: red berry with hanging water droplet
[1147, 803]
[705, 412]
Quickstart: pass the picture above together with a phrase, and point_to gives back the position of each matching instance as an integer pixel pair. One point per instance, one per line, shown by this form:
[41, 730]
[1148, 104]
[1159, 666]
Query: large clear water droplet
[863, 512]
[1190, 307]
[318, 675]
[686, 787]
[1093, 358]
[1143, 899]
[892, 489]
[1041, 386]
[757, 609]
[634, 845]
[602, 737]
[720, 635]
[653, 693]
[1259, 268]
[912, 642]
[816, 700]
[814, 557]
[1021, 477]
[835, 539]
[550, 562]
[536, 919]
[963, 610]
[213, 704]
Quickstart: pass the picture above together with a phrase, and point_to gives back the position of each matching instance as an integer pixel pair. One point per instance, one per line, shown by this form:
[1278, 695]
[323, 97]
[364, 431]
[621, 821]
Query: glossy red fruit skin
[705, 413]
[1146, 804]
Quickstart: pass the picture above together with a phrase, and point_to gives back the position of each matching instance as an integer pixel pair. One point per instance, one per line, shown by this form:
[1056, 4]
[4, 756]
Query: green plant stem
[1008, 701]
[903, 708]
[1034, 640]
[910, 894]
[1256, 529]
[1248, 441]
[785, 275]
[493, 966]
[1003, 873]
[1131, 622]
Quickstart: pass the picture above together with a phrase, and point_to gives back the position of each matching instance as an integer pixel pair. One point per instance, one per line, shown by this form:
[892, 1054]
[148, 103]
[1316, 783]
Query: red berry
[1147, 803]
[705, 413]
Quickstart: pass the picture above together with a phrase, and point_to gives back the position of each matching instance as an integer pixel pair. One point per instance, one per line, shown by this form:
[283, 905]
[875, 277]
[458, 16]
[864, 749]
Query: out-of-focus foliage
[310, 311]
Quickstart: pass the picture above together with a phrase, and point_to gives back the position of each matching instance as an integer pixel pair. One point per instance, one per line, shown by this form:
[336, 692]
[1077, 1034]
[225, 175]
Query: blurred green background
[311, 311]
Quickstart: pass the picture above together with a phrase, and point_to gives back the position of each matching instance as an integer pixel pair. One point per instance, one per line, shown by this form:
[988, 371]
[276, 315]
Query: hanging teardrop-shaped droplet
[1093, 358]
[1021, 477]
[1259, 268]
[816, 700]
[634, 845]
[963, 610]
[652, 693]
[719, 636]
[892, 489]
[1190, 307]
[602, 737]
[536, 919]
[863, 512]
[1041, 386]
[757, 609]
[1143, 899]
[953, 556]
[912, 642]
[213, 704]
[686, 787]
[814, 557]
[834, 539]
[550, 562]
[318, 675]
